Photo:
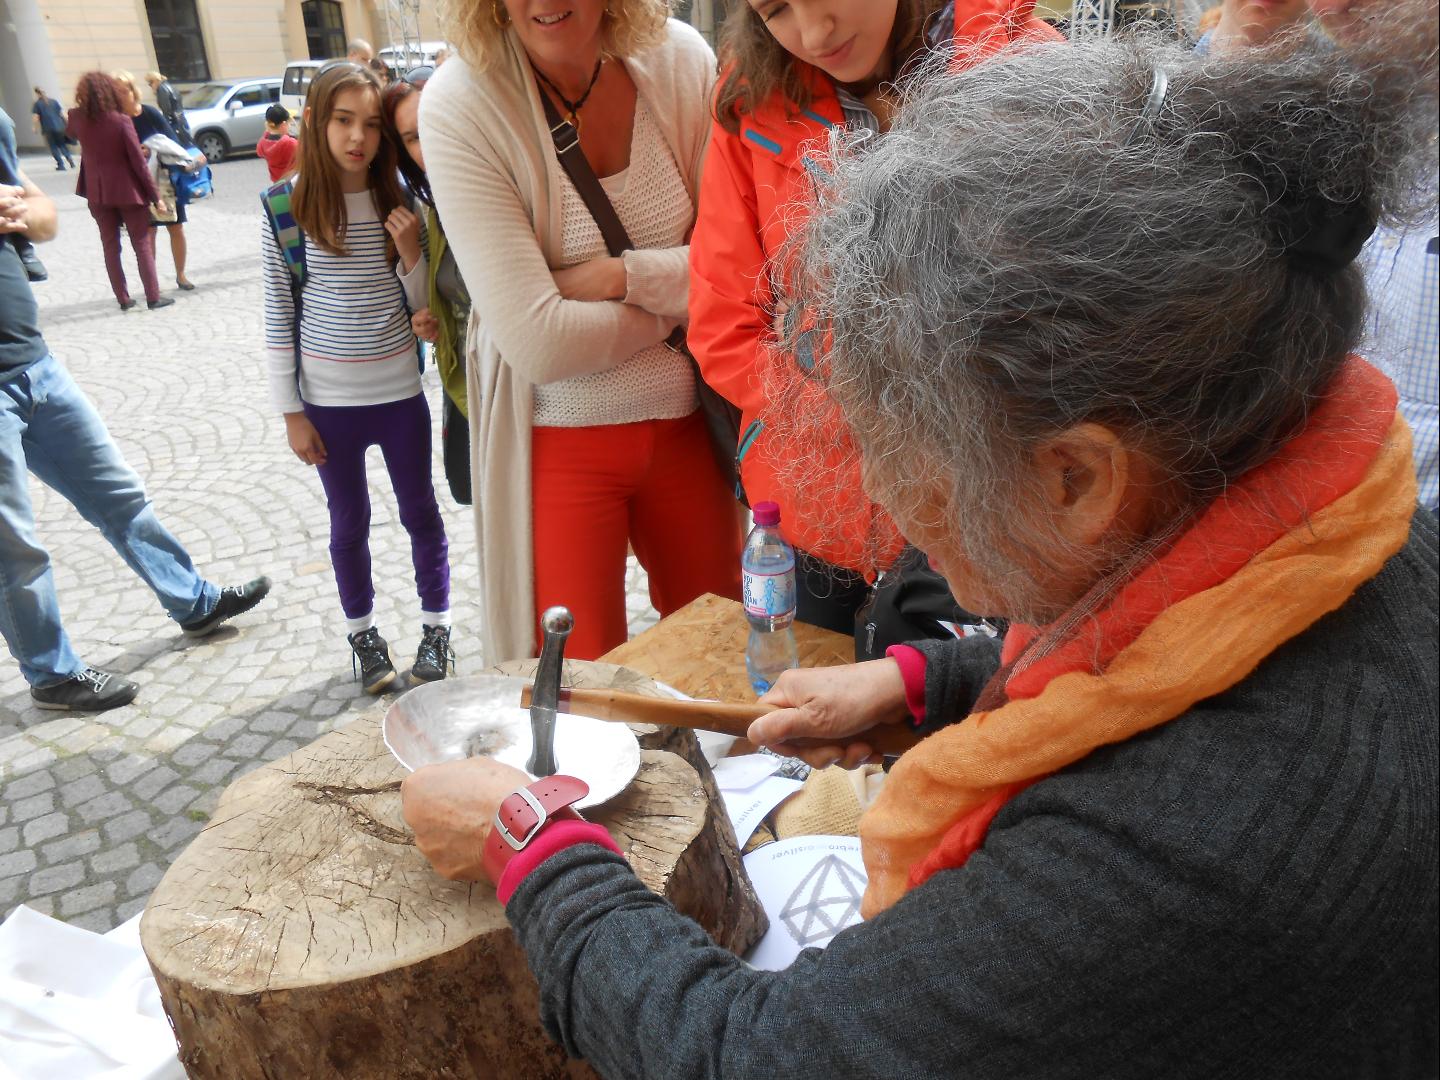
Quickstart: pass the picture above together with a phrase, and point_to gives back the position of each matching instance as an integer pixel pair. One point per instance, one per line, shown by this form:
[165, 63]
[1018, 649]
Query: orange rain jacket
[750, 181]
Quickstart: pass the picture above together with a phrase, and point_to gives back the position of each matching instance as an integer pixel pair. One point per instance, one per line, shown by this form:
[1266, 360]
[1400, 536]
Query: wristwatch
[524, 813]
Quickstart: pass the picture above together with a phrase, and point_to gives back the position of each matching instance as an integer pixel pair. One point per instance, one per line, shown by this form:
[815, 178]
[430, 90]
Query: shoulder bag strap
[588, 187]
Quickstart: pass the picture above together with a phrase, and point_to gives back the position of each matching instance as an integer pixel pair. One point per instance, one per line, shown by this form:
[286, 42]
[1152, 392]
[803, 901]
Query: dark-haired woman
[115, 181]
[1189, 829]
[795, 70]
[439, 301]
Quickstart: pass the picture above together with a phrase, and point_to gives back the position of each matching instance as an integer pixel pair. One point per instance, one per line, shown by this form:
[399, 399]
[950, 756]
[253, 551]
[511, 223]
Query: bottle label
[768, 595]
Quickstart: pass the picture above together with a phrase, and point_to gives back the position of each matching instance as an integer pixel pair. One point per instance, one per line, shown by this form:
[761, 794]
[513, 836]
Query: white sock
[434, 618]
[364, 622]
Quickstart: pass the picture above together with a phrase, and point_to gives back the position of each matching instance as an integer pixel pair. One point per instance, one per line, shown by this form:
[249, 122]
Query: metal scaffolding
[402, 28]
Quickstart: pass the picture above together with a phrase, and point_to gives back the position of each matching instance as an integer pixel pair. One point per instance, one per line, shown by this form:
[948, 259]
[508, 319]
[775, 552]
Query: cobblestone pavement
[94, 808]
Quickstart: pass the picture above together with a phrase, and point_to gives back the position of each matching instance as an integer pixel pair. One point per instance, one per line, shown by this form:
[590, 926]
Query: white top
[356, 345]
[653, 204]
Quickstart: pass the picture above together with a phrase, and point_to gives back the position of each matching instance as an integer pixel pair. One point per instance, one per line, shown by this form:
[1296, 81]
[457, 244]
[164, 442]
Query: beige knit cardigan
[492, 167]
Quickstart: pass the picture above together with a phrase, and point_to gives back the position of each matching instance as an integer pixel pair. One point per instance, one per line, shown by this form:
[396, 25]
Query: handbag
[168, 197]
[455, 449]
[722, 419]
[911, 602]
[190, 186]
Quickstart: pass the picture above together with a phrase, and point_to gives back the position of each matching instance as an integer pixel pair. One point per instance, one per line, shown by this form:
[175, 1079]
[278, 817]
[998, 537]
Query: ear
[1085, 474]
[305, 117]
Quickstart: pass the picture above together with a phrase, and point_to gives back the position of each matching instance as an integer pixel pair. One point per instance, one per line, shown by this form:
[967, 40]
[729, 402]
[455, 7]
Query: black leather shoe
[34, 268]
[233, 600]
[372, 656]
[164, 301]
[87, 690]
[125, 305]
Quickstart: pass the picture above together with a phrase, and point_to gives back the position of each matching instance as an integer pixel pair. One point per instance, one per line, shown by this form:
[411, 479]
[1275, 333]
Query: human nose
[817, 32]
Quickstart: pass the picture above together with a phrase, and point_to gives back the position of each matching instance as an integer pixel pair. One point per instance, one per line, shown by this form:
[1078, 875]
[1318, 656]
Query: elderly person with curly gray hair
[1097, 359]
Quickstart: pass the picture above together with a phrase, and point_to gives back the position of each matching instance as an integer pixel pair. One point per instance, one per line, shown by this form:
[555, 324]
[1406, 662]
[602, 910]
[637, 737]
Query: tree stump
[302, 935]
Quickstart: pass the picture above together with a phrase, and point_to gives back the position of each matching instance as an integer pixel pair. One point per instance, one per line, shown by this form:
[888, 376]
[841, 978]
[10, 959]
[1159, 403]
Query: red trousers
[654, 484]
[136, 220]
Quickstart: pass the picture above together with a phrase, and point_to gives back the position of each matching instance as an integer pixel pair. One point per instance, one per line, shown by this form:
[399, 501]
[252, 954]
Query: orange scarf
[1287, 544]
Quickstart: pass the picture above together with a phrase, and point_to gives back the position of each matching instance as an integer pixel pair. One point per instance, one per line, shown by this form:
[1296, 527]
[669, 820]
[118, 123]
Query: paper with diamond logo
[810, 887]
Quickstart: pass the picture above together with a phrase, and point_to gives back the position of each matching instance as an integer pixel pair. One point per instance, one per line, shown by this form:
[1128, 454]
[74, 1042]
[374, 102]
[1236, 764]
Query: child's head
[341, 150]
[277, 119]
[402, 127]
[767, 44]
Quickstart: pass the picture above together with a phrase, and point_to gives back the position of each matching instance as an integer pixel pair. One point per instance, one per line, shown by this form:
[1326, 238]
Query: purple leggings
[402, 431]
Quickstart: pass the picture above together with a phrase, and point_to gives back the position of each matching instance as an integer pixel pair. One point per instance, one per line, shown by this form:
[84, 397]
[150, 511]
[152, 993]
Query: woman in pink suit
[115, 181]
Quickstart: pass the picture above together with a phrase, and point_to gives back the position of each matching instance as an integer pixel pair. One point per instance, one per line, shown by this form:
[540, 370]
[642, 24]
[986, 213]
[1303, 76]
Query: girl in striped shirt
[344, 364]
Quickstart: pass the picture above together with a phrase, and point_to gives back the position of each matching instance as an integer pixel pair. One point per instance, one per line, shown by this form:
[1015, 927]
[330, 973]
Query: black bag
[455, 450]
[911, 602]
[722, 419]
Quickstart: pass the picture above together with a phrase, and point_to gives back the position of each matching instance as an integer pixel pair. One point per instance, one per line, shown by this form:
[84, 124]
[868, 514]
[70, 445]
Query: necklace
[572, 108]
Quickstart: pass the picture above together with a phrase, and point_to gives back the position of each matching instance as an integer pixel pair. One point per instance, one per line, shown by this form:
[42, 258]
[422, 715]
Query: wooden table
[700, 650]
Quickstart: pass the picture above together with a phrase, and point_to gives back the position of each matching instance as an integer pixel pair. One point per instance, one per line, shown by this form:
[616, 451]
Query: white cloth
[492, 166]
[79, 1006]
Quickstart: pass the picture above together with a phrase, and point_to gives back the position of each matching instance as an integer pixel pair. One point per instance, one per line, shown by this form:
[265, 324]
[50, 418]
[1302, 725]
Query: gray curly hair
[1027, 250]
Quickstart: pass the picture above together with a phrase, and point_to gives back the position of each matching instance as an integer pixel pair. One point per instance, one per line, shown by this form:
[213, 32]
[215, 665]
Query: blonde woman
[585, 428]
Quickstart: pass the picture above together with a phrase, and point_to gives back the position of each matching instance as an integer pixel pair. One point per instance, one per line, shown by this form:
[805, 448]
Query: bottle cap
[766, 513]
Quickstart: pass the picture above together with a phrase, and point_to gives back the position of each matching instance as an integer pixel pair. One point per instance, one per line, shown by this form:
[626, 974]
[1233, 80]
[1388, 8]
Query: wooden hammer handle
[726, 718]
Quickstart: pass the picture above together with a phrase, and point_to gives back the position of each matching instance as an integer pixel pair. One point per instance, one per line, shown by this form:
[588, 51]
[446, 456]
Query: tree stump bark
[302, 935]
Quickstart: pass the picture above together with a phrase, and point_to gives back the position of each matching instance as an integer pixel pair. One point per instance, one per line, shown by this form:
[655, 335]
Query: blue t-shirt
[52, 117]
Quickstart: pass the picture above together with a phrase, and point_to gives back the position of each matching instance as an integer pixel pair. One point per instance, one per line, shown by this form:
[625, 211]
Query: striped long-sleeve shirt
[356, 345]
[1402, 272]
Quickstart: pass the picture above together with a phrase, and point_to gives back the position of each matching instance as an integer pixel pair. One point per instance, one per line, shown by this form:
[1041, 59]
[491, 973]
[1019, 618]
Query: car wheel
[213, 145]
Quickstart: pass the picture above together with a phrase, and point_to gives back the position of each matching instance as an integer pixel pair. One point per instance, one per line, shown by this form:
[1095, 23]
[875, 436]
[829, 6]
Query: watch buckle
[540, 818]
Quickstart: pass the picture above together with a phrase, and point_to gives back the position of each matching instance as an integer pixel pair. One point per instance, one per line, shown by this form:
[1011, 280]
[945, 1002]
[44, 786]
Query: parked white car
[229, 114]
[399, 59]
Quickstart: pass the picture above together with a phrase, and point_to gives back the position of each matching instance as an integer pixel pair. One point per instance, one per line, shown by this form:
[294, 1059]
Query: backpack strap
[288, 237]
[291, 242]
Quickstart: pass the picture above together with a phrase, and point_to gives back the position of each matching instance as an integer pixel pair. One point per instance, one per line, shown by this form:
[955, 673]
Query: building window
[179, 45]
[324, 28]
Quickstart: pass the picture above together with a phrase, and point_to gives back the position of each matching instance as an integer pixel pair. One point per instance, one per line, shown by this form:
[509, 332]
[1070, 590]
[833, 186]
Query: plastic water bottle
[767, 574]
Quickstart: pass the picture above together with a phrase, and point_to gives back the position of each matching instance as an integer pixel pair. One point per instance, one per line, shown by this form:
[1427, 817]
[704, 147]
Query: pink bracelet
[556, 836]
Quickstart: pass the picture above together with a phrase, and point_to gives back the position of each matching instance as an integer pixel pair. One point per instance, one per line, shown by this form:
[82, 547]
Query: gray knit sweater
[1246, 891]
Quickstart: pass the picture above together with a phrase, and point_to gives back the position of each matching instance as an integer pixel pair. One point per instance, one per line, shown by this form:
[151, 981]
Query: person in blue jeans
[49, 427]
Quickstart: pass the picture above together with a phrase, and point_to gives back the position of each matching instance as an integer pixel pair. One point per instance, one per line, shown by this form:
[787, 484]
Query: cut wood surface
[700, 650]
[302, 935]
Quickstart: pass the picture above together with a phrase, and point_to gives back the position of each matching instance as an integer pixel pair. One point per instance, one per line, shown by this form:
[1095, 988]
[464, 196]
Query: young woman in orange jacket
[794, 70]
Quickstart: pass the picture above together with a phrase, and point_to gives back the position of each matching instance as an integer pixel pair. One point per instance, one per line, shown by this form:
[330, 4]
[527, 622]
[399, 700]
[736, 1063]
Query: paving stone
[86, 899]
[212, 772]
[173, 800]
[45, 828]
[9, 839]
[82, 790]
[23, 786]
[82, 843]
[121, 858]
[25, 809]
[72, 769]
[55, 878]
[111, 804]
[143, 879]
[246, 746]
[17, 862]
[124, 771]
[153, 781]
[126, 826]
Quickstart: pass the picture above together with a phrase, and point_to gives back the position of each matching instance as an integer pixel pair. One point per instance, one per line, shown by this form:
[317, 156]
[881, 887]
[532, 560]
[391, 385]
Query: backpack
[291, 242]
